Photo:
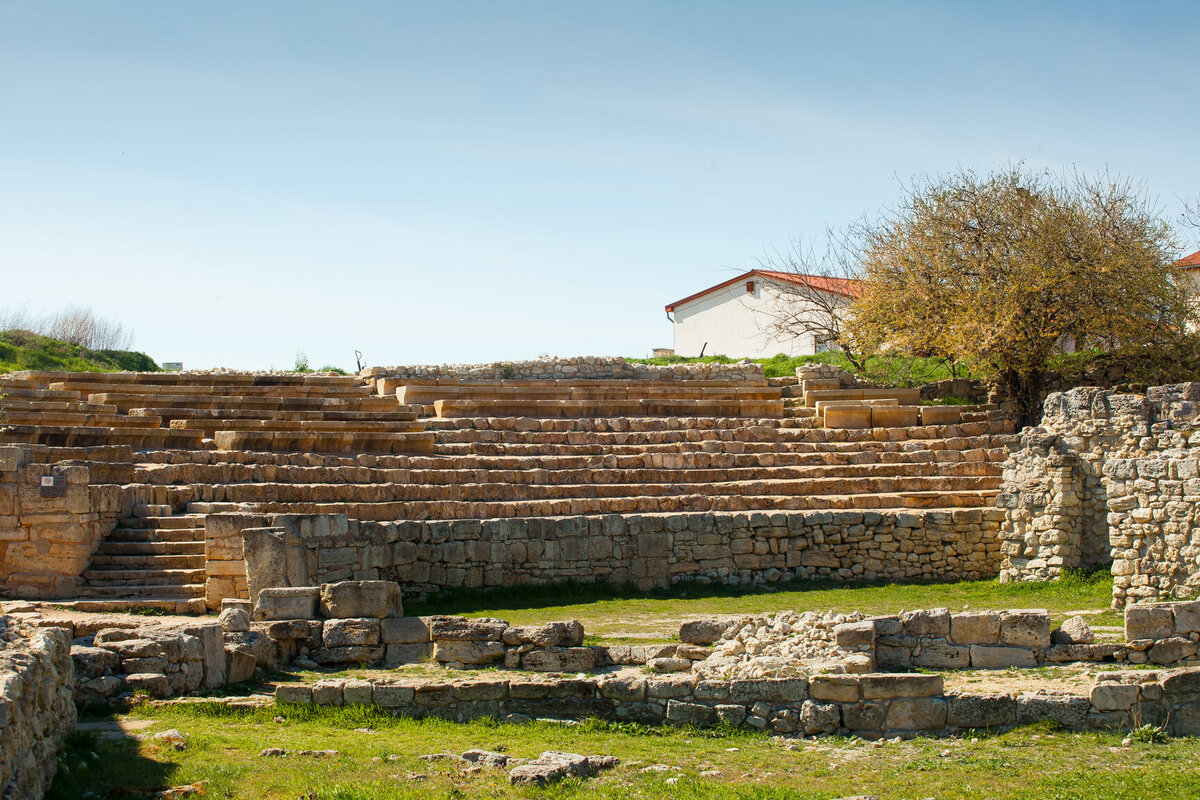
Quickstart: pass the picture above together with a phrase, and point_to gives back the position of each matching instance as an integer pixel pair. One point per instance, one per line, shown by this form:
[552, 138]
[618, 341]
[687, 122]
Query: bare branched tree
[77, 325]
[813, 291]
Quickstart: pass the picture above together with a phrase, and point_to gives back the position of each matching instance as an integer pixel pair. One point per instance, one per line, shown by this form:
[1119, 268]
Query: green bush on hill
[881, 370]
[20, 350]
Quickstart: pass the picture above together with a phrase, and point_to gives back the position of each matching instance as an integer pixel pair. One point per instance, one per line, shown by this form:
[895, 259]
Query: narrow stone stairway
[154, 559]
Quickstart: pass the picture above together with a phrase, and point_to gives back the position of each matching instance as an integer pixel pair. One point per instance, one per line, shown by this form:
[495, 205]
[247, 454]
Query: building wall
[736, 323]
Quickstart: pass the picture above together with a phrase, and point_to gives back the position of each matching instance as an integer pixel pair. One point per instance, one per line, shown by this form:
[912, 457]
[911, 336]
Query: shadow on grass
[102, 760]
[463, 601]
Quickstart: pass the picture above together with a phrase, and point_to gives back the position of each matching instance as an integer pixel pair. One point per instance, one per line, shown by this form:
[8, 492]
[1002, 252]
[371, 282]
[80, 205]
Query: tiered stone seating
[322, 413]
[836, 407]
[591, 398]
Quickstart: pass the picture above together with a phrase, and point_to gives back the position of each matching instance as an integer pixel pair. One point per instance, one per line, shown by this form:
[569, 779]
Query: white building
[739, 318]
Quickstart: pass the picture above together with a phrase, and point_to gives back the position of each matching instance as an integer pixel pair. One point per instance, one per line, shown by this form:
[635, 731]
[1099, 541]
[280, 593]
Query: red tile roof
[843, 286]
[1189, 262]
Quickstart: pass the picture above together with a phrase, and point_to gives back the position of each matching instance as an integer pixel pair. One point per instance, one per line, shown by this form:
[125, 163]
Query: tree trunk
[1025, 389]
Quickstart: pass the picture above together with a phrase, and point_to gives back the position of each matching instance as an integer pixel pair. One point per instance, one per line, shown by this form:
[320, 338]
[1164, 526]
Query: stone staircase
[154, 559]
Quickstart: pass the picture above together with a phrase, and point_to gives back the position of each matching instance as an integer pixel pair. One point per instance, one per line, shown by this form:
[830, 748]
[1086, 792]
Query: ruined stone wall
[37, 708]
[649, 550]
[870, 706]
[1108, 478]
[580, 368]
[46, 542]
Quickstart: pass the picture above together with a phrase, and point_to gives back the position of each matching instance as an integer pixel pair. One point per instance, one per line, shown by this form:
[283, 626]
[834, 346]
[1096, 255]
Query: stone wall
[649, 550]
[870, 706]
[37, 709]
[579, 368]
[46, 541]
[1108, 478]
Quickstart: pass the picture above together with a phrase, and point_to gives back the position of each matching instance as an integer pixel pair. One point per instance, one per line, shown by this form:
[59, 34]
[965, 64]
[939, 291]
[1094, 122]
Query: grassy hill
[24, 350]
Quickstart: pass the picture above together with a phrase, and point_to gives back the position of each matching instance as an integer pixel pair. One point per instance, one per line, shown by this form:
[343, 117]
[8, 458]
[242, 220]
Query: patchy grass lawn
[615, 615]
[378, 756]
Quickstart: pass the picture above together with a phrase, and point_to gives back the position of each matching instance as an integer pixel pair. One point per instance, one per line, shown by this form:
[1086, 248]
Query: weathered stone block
[939, 654]
[466, 630]
[287, 603]
[1115, 696]
[152, 683]
[857, 636]
[769, 690]
[702, 631]
[1073, 631]
[328, 692]
[981, 710]
[864, 716]
[916, 714]
[1148, 622]
[1025, 628]
[927, 622]
[391, 696]
[356, 599]
[975, 627]
[412, 653]
[560, 659]
[983, 657]
[885, 686]
[357, 692]
[1172, 650]
[820, 718]
[361, 632]
[683, 713]
[838, 688]
[468, 652]
[293, 693]
[552, 634]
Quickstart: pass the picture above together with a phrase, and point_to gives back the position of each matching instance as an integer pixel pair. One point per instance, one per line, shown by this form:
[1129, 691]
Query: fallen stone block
[1073, 631]
[356, 599]
[287, 603]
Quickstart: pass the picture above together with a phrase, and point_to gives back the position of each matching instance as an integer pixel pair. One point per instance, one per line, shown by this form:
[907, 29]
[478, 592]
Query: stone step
[14, 417]
[325, 442]
[392, 414]
[630, 391]
[155, 535]
[41, 394]
[116, 605]
[171, 522]
[14, 405]
[211, 427]
[97, 578]
[150, 390]
[136, 561]
[80, 436]
[125, 401]
[114, 547]
[508, 492]
[443, 509]
[45, 377]
[132, 592]
[664, 407]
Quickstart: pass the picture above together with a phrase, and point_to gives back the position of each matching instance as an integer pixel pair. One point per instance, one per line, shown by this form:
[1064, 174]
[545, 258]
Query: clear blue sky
[476, 181]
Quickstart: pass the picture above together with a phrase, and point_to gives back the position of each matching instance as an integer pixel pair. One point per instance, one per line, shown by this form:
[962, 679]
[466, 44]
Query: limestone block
[362, 632]
[668, 664]
[552, 634]
[93, 662]
[1067, 710]
[409, 653]
[1172, 650]
[1073, 631]
[1180, 685]
[466, 630]
[235, 620]
[623, 689]
[981, 710]
[975, 627]
[1187, 617]
[403, 630]
[390, 696]
[357, 599]
[770, 690]
[664, 688]
[702, 631]
[1148, 621]
[885, 686]
[328, 692]
[1185, 720]
[293, 693]
[858, 636]
[864, 716]
[213, 647]
[239, 665]
[1025, 628]
[289, 629]
[820, 717]
[939, 654]
[299, 602]
[357, 692]
[152, 683]
[927, 622]
[916, 714]
[1115, 696]
[132, 648]
[984, 657]
[837, 688]
[468, 651]
[354, 654]
[680, 712]
[561, 659]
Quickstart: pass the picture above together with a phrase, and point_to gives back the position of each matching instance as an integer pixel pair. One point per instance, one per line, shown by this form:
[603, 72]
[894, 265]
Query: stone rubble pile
[786, 644]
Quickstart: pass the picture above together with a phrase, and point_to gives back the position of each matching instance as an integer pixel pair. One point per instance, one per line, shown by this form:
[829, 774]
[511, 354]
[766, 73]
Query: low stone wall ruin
[37, 709]
[48, 533]
[650, 550]
[1109, 478]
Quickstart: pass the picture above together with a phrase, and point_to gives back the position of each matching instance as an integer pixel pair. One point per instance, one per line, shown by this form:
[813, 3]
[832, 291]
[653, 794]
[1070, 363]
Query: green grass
[378, 756]
[882, 370]
[20, 350]
[613, 611]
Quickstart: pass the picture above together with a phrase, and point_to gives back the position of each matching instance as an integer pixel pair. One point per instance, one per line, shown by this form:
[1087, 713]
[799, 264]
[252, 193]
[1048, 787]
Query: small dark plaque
[54, 486]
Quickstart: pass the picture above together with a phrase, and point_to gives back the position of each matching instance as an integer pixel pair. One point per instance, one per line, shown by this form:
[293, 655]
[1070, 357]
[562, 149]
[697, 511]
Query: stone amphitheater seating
[200, 445]
[592, 398]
